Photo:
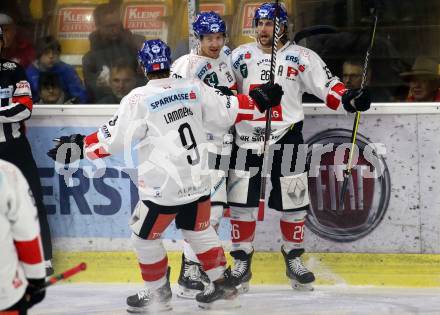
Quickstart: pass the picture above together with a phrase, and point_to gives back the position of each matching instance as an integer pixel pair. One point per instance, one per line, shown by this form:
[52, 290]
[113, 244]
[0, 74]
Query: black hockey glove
[356, 100]
[35, 292]
[225, 90]
[267, 95]
[72, 148]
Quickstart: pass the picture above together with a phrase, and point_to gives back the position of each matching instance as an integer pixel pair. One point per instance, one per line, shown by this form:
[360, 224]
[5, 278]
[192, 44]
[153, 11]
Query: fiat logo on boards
[367, 196]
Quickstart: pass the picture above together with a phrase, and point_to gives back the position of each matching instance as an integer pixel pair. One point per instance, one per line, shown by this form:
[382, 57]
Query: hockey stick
[267, 131]
[216, 187]
[63, 276]
[193, 8]
[347, 171]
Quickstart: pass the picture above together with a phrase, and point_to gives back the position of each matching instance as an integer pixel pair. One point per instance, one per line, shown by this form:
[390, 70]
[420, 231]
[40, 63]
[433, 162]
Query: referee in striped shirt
[15, 108]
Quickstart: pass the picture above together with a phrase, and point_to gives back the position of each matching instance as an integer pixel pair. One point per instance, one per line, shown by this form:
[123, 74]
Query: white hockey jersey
[169, 118]
[21, 254]
[298, 70]
[211, 71]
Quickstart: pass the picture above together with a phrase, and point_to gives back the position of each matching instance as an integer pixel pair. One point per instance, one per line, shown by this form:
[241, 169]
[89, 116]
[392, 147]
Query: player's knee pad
[243, 223]
[292, 228]
[148, 250]
[244, 214]
[294, 191]
[201, 241]
[208, 250]
[152, 258]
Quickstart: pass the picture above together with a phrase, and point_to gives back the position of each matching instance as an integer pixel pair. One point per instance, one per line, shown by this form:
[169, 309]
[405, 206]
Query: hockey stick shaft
[347, 171]
[65, 275]
[267, 131]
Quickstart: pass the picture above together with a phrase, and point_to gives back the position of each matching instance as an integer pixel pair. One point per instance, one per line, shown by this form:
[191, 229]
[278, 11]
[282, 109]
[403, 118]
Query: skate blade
[150, 309]
[221, 304]
[185, 293]
[304, 287]
[243, 288]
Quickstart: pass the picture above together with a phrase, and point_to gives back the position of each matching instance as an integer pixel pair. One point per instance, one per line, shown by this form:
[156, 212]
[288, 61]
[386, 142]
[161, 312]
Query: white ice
[109, 299]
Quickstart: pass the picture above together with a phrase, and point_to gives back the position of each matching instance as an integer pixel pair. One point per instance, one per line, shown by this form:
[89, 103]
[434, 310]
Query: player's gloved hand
[267, 95]
[225, 90]
[35, 292]
[73, 147]
[356, 100]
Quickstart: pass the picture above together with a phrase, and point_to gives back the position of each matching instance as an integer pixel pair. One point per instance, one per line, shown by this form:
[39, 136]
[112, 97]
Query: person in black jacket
[16, 107]
[108, 43]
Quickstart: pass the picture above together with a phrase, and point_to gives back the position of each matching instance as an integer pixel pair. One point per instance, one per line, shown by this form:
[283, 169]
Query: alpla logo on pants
[368, 193]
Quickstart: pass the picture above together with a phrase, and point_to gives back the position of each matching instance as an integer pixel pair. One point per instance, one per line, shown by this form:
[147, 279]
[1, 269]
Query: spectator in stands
[48, 61]
[122, 81]
[424, 80]
[51, 90]
[109, 42]
[352, 70]
[16, 47]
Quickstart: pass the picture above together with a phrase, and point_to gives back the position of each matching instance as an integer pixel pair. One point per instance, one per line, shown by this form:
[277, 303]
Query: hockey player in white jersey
[297, 70]
[168, 119]
[209, 62]
[22, 272]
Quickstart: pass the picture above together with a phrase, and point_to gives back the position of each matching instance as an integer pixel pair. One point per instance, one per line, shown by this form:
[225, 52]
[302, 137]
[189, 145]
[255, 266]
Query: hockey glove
[356, 100]
[267, 95]
[35, 292]
[72, 148]
[225, 90]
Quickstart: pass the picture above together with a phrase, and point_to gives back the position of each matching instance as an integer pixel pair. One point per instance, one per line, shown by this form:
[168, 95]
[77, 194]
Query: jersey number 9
[189, 146]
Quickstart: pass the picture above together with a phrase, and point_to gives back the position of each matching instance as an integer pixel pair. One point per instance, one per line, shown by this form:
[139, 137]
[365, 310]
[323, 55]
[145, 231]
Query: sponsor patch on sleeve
[22, 88]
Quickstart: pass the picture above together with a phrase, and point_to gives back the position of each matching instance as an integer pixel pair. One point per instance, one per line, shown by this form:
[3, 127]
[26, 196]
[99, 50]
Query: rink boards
[398, 214]
[390, 270]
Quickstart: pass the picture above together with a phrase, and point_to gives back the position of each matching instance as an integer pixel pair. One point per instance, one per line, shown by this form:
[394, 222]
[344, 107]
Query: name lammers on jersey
[164, 100]
[177, 114]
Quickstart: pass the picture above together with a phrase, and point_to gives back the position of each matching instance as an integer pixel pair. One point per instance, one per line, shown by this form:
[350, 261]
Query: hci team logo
[367, 197]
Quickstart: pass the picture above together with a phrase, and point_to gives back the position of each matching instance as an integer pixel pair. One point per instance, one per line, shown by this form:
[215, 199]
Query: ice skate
[301, 278]
[241, 273]
[192, 279]
[220, 294]
[151, 301]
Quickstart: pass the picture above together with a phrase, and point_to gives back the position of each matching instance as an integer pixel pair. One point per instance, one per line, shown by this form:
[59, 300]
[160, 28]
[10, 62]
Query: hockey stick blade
[314, 30]
[65, 275]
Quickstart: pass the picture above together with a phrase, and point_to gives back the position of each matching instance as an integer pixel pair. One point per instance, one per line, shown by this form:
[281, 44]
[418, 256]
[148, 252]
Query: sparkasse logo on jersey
[164, 100]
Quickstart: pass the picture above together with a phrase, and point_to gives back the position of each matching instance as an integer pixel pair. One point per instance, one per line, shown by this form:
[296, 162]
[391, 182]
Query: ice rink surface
[109, 299]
